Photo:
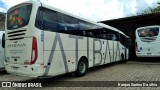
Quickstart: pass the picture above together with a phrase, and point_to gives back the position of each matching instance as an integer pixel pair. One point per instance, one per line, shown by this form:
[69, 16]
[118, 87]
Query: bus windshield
[148, 32]
[19, 17]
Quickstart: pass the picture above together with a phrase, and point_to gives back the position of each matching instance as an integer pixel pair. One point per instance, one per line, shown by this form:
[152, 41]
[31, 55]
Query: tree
[149, 10]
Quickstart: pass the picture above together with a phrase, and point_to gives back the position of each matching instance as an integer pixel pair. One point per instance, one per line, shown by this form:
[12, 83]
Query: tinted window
[108, 34]
[88, 29]
[18, 17]
[50, 20]
[68, 24]
[58, 22]
[124, 40]
[89, 33]
[148, 32]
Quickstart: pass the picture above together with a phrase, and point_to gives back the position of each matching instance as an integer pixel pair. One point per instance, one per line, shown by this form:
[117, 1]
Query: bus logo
[16, 45]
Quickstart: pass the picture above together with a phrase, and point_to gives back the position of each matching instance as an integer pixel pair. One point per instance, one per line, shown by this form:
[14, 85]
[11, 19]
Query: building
[128, 25]
[2, 21]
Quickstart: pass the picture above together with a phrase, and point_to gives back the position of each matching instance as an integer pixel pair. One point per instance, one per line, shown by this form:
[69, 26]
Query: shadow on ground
[3, 72]
[146, 59]
[66, 79]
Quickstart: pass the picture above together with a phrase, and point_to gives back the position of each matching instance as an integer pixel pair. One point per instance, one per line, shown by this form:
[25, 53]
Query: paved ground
[98, 78]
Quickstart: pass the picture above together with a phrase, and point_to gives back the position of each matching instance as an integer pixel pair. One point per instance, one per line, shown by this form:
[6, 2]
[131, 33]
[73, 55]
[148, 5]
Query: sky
[94, 10]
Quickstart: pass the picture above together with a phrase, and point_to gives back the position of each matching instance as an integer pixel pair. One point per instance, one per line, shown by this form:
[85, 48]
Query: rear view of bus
[22, 55]
[44, 41]
[148, 41]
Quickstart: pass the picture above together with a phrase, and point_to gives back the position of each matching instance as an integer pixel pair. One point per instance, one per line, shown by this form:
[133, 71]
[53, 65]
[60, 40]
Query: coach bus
[2, 56]
[2, 28]
[148, 41]
[44, 41]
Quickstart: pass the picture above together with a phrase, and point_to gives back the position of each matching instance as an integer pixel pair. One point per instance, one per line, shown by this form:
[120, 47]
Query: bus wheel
[82, 67]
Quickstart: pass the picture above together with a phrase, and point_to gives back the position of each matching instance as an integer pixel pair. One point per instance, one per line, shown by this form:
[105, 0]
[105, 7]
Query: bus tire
[82, 67]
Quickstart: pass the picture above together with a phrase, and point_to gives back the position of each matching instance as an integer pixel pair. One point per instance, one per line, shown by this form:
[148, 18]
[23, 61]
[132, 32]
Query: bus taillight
[34, 51]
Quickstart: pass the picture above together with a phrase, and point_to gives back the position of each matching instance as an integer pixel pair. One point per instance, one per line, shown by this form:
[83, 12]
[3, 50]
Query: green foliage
[149, 10]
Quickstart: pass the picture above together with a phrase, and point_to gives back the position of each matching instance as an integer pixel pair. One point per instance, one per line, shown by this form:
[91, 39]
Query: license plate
[149, 53]
[15, 68]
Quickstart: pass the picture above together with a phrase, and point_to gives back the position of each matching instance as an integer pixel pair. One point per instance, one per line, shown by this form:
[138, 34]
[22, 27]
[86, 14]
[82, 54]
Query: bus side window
[103, 36]
[107, 37]
[67, 24]
[3, 40]
[114, 38]
[110, 37]
[50, 20]
[89, 34]
[123, 40]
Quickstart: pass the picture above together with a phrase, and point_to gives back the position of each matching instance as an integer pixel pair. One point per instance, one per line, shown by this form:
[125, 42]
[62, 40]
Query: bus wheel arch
[82, 66]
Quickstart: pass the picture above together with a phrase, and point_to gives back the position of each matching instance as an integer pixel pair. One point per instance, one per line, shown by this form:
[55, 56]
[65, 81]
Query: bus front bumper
[148, 54]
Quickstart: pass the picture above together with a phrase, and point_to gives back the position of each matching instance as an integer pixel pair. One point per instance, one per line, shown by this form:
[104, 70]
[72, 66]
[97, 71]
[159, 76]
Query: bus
[41, 41]
[147, 41]
[2, 29]
[2, 56]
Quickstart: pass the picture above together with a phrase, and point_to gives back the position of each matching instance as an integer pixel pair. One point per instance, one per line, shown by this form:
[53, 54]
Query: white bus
[2, 26]
[2, 56]
[45, 41]
[147, 41]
